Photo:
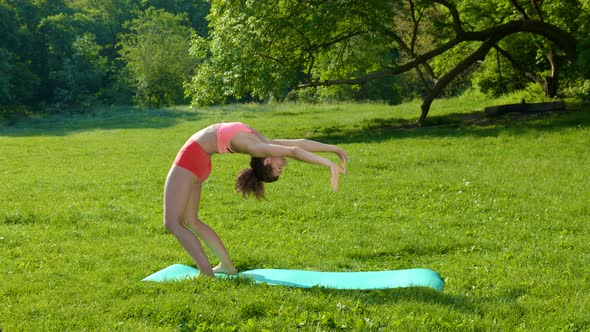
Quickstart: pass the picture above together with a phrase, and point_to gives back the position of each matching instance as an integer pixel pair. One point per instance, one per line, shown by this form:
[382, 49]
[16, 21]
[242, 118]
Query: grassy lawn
[500, 210]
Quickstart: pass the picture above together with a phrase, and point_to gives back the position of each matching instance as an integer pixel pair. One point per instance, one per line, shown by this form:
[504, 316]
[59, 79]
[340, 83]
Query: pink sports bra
[225, 132]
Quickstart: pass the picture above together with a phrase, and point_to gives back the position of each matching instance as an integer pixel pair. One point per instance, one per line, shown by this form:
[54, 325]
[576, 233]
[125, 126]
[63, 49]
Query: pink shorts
[193, 158]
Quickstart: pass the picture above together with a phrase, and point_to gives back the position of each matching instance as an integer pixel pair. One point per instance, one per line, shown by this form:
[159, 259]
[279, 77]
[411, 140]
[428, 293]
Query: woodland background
[64, 56]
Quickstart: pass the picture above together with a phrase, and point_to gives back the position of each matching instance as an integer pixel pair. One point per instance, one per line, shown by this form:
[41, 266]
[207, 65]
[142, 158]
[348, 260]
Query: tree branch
[404, 48]
[564, 40]
[337, 39]
[520, 9]
[478, 55]
[457, 24]
[537, 9]
[350, 81]
[519, 65]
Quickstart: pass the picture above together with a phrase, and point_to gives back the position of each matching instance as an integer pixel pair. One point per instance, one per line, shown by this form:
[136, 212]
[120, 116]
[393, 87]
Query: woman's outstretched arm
[300, 149]
[314, 146]
[294, 152]
[306, 144]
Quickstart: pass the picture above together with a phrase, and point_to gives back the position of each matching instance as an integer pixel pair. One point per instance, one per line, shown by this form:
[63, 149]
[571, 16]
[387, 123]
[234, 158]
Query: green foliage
[451, 58]
[577, 82]
[499, 209]
[529, 53]
[234, 66]
[195, 10]
[156, 55]
[384, 90]
[6, 69]
[448, 60]
[496, 76]
[82, 76]
[259, 51]
[387, 90]
[18, 83]
[44, 63]
[584, 57]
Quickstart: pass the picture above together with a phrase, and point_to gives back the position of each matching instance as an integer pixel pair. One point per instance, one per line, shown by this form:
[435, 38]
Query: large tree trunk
[478, 55]
[550, 87]
[552, 82]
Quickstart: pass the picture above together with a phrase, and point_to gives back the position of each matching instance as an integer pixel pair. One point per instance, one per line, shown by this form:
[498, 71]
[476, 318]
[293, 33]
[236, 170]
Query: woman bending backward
[192, 166]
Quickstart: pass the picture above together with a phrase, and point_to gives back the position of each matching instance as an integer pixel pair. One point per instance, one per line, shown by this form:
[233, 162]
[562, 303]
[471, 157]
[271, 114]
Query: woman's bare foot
[225, 269]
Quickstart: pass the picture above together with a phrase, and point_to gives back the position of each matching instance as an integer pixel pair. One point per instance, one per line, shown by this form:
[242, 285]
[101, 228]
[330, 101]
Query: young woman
[192, 166]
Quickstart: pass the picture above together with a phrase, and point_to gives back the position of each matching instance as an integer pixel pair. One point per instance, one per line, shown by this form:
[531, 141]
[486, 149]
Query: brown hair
[251, 180]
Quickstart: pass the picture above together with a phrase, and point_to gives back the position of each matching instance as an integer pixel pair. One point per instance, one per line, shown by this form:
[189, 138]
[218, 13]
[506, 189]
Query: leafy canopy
[156, 56]
[260, 50]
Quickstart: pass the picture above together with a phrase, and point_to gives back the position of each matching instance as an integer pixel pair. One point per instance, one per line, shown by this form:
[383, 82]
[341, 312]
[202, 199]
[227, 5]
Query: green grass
[500, 211]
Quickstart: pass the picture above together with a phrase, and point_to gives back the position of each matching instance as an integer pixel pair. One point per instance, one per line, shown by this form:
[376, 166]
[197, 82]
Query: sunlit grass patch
[499, 210]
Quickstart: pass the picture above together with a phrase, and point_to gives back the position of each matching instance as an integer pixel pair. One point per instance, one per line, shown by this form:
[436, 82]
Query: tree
[6, 69]
[155, 52]
[19, 84]
[264, 49]
[196, 11]
[82, 75]
[56, 53]
[535, 58]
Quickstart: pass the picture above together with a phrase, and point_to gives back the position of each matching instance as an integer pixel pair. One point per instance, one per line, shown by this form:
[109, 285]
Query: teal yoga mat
[307, 279]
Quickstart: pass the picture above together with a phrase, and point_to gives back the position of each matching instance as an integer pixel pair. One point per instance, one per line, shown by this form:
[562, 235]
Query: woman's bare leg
[206, 233]
[180, 186]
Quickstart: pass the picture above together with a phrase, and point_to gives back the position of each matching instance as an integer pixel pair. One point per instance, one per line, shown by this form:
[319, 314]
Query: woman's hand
[344, 158]
[335, 172]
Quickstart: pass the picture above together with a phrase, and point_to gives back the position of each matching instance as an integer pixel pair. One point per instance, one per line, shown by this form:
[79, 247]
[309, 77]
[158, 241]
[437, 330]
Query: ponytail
[251, 180]
[247, 183]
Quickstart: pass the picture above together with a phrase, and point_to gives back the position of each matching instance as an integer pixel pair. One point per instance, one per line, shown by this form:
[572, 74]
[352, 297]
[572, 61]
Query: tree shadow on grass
[107, 119]
[424, 295]
[398, 295]
[475, 124]
[372, 130]
[119, 117]
[505, 300]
